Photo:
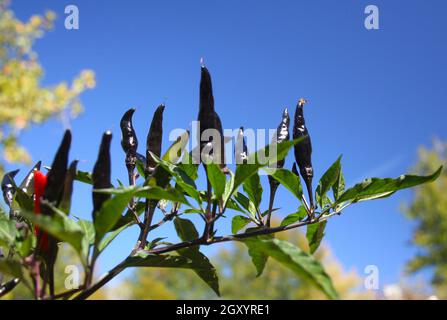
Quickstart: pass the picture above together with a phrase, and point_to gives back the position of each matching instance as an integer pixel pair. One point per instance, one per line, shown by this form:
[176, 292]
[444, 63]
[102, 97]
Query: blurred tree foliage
[23, 99]
[428, 210]
[237, 277]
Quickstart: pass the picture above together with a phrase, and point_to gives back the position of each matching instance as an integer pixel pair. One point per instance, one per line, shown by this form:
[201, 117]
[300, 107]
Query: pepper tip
[302, 102]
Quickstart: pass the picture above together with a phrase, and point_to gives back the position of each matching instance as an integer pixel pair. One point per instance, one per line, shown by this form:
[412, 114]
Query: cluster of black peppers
[208, 118]
[58, 185]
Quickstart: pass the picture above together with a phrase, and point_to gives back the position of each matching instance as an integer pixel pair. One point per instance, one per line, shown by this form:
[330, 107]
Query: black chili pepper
[56, 175]
[153, 145]
[154, 138]
[8, 286]
[303, 149]
[101, 173]
[27, 184]
[9, 187]
[209, 119]
[65, 202]
[282, 134]
[129, 143]
[55, 179]
[241, 151]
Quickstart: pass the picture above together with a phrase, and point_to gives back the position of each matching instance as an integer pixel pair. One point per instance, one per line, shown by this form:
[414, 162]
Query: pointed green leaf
[294, 217]
[253, 188]
[289, 180]
[300, 262]
[217, 179]
[375, 188]
[327, 181]
[238, 223]
[314, 235]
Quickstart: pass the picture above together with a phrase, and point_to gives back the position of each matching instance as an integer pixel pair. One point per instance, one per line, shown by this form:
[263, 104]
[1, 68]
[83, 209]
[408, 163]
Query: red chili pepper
[40, 181]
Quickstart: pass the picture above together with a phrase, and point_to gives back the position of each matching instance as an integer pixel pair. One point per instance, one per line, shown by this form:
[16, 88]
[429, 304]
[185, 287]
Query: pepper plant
[162, 189]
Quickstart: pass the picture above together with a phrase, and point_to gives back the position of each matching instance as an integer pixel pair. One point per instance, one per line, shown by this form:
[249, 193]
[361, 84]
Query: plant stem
[109, 276]
[273, 187]
[148, 215]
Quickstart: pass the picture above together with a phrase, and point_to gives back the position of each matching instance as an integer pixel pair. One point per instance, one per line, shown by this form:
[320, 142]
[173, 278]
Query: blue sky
[374, 95]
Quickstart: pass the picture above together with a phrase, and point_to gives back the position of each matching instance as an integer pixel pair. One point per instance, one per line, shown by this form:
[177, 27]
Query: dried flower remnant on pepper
[303, 149]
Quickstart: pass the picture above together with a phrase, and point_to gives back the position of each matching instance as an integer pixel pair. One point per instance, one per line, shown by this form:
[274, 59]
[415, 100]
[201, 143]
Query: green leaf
[110, 213]
[300, 262]
[375, 188]
[11, 268]
[181, 178]
[294, 217]
[22, 201]
[258, 160]
[229, 185]
[217, 179]
[245, 203]
[252, 187]
[314, 235]
[185, 229]
[60, 226]
[238, 223]
[188, 166]
[176, 149]
[202, 267]
[339, 186]
[157, 193]
[173, 261]
[257, 255]
[89, 236]
[328, 179]
[8, 231]
[289, 180]
[83, 176]
[161, 177]
[108, 239]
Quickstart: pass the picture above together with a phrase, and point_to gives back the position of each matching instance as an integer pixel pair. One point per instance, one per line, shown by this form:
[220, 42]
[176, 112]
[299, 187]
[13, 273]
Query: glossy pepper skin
[209, 119]
[282, 134]
[129, 141]
[154, 138]
[27, 184]
[241, 150]
[303, 149]
[9, 187]
[101, 173]
[40, 182]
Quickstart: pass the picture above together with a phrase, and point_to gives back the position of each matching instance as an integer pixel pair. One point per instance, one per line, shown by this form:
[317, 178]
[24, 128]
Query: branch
[199, 241]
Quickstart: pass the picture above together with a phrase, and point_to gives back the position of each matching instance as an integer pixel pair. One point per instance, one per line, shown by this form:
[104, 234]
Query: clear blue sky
[375, 96]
